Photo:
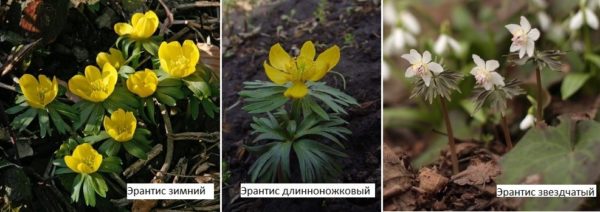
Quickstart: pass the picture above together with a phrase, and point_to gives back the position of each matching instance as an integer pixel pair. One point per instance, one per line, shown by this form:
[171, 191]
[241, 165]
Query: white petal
[440, 44]
[491, 65]
[426, 57]
[488, 85]
[544, 20]
[411, 57]
[530, 48]
[398, 37]
[534, 34]
[527, 122]
[514, 47]
[410, 22]
[576, 21]
[525, 24]
[385, 71]
[410, 39]
[513, 28]
[522, 52]
[435, 68]
[455, 45]
[415, 54]
[478, 61]
[410, 72]
[474, 70]
[427, 79]
[389, 14]
[496, 79]
[591, 18]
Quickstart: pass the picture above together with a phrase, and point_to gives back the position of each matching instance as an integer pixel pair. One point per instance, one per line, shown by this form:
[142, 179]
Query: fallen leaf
[431, 181]
[210, 55]
[477, 173]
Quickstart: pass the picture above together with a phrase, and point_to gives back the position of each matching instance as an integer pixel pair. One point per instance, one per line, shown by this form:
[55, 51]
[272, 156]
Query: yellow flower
[178, 60]
[95, 86]
[142, 26]
[282, 68]
[85, 159]
[142, 83]
[115, 58]
[120, 125]
[38, 92]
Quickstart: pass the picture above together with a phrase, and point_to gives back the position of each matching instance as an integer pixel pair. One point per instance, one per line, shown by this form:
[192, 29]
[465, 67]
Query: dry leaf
[431, 181]
[210, 55]
[477, 173]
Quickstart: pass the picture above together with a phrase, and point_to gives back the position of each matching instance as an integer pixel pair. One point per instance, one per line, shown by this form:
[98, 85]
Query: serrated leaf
[563, 154]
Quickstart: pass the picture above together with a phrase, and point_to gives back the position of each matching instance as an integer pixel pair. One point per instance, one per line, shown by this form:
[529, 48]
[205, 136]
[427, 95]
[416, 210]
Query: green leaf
[78, 182]
[44, 123]
[150, 47]
[92, 125]
[170, 82]
[16, 109]
[111, 164]
[165, 99]
[98, 137]
[209, 107]
[125, 71]
[150, 110]
[110, 147]
[58, 121]
[572, 83]
[595, 59]
[89, 193]
[24, 119]
[135, 150]
[199, 87]
[563, 154]
[99, 184]
[63, 171]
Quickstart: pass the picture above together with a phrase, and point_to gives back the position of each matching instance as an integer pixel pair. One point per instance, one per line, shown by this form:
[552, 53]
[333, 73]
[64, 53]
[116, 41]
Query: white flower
[484, 73]
[544, 20]
[397, 40]
[421, 66]
[385, 71]
[442, 43]
[523, 37]
[584, 15]
[409, 22]
[389, 14]
[405, 18]
[527, 122]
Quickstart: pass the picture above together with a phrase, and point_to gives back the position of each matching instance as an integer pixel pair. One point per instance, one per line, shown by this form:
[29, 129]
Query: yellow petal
[72, 163]
[92, 73]
[97, 162]
[136, 17]
[190, 50]
[297, 91]
[102, 58]
[29, 86]
[117, 56]
[308, 51]
[110, 76]
[275, 75]
[325, 62]
[279, 58]
[123, 29]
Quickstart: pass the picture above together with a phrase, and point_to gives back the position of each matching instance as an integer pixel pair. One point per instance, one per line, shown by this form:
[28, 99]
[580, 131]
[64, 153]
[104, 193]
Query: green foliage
[563, 154]
[441, 85]
[497, 97]
[572, 83]
[59, 114]
[287, 134]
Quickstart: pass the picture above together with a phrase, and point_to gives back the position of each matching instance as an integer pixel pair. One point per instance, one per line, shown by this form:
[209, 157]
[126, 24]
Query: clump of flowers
[110, 105]
[296, 113]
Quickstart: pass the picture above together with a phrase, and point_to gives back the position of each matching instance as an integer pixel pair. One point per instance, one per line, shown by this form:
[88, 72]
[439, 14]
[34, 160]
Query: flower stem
[507, 138]
[450, 137]
[540, 118]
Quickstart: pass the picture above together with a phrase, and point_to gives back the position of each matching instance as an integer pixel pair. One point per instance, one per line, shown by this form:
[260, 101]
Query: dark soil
[355, 27]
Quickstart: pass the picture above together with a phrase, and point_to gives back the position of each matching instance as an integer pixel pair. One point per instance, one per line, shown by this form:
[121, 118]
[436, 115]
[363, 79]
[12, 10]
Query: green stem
[453, 155]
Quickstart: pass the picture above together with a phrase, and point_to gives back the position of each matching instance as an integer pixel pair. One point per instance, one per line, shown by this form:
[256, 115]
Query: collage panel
[490, 105]
[109, 105]
[301, 94]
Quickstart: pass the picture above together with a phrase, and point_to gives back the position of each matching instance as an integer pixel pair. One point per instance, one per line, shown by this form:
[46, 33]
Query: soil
[78, 39]
[249, 33]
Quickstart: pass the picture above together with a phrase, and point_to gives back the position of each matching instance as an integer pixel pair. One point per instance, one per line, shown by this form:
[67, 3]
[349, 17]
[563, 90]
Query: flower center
[98, 85]
[421, 69]
[88, 160]
[41, 91]
[482, 76]
[520, 38]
